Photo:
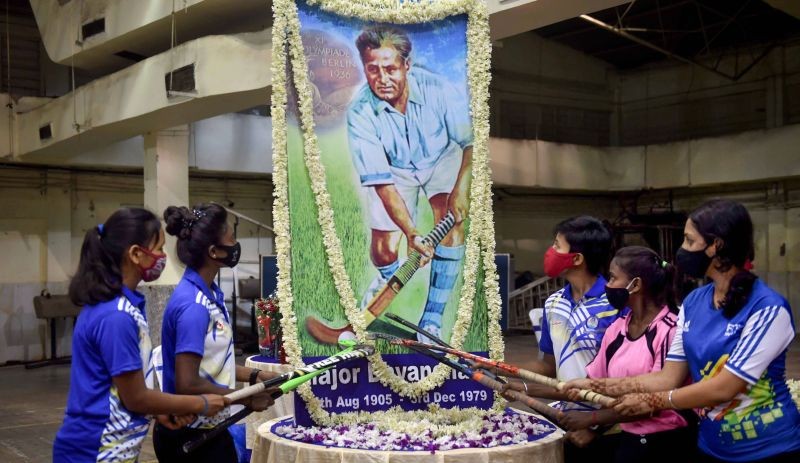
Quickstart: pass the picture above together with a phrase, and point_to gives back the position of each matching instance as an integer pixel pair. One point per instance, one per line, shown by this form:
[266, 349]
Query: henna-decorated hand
[617, 387]
[584, 383]
[641, 403]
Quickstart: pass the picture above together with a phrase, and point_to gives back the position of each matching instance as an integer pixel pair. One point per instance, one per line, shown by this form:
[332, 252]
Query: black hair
[374, 37]
[99, 275]
[197, 229]
[657, 275]
[590, 237]
[729, 223]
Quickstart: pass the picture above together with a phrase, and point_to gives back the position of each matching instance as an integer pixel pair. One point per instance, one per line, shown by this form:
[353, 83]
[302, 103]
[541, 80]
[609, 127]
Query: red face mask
[555, 262]
[153, 271]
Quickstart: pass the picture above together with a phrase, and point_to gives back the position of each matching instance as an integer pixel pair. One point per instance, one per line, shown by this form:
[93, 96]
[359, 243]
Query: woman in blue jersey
[110, 395]
[731, 337]
[196, 333]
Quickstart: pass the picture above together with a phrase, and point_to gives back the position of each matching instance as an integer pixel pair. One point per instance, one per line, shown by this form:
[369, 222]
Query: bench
[50, 308]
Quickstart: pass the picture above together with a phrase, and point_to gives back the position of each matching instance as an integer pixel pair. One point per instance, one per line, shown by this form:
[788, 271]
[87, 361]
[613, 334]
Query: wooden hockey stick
[481, 377]
[510, 370]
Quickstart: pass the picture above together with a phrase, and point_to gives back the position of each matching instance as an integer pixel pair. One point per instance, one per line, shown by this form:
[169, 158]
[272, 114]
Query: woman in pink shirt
[634, 345]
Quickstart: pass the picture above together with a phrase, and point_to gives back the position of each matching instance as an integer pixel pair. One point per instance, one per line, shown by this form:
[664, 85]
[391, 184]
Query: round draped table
[283, 406]
[270, 448]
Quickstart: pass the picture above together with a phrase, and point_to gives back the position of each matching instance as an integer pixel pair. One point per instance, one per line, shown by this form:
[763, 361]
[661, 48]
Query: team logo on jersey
[686, 326]
[592, 322]
[733, 328]
[219, 325]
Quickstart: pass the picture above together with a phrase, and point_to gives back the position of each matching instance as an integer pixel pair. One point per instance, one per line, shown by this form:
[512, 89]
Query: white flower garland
[287, 41]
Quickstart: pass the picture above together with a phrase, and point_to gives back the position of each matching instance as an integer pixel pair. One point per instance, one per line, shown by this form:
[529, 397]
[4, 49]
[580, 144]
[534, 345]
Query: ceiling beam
[652, 46]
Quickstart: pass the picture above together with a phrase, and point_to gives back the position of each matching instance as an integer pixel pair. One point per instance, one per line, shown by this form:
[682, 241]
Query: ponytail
[99, 274]
[739, 289]
[670, 290]
[657, 275]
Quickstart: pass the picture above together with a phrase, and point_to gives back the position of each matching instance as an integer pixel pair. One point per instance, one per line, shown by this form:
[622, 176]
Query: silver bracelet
[669, 399]
[525, 385]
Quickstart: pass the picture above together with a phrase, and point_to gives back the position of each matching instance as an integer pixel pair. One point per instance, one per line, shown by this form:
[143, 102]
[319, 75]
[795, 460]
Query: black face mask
[234, 252]
[618, 297]
[693, 263]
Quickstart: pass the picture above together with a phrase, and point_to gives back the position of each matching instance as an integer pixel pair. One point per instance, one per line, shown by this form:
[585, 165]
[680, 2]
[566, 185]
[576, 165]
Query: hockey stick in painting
[326, 334]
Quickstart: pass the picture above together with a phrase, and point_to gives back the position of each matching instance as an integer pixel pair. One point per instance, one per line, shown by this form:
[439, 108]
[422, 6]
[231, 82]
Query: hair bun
[185, 233]
[176, 219]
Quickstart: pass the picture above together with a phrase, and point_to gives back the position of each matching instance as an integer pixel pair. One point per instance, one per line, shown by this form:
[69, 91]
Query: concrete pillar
[166, 183]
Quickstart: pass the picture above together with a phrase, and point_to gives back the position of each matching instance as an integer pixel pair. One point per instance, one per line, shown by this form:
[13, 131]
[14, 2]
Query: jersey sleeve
[118, 339]
[457, 119]
[545, 341]
[676, 352]
[663, 347]
[190, 330]
[766, 334]
[369, 156]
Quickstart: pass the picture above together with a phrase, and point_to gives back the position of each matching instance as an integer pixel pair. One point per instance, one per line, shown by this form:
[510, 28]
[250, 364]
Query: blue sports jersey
[763, 420]
[572, 331]
[196, 322]
[111, 338]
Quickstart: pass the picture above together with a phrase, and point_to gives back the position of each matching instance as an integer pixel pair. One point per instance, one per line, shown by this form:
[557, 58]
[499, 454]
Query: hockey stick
[326, 334]
[286, 382]
[389, 337]
[284, 388]
[510, 370]
[351, 353]
[481, 377]
[418, 329]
